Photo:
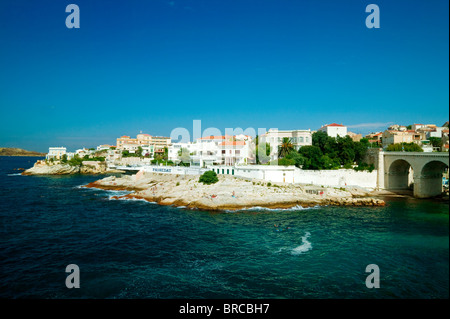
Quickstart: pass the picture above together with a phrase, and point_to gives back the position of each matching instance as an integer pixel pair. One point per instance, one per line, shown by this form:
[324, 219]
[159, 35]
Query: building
[275, 137]
[151, 144]
[56, 153]
[415, 127]
[374, 138]
[83, 152]
[105, 147]
[396, 127]
[355, 137]
[334, 130]
[395, 137]
[214, 150]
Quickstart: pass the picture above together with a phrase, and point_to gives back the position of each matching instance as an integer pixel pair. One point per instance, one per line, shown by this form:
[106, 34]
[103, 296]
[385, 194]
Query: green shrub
[209, 177]
[75, 161]
[283, 162]
[269, 184]
[348, 165]
[364, 166]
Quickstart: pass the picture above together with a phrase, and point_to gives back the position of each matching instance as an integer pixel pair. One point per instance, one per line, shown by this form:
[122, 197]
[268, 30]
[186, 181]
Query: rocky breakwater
[229, 193]
[58, 168]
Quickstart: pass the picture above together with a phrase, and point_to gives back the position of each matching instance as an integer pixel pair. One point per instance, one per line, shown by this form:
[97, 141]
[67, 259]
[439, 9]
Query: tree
[299, 160]
[64, 158]
[436, 141]
[329, 163]
[262, 153]
[284, 162]
[139, 151]
[208, 177]
[183, 156]
[404, 147]
[320, 139]
[285, 148]
[313, 156]
[346, 150]
[360, 149]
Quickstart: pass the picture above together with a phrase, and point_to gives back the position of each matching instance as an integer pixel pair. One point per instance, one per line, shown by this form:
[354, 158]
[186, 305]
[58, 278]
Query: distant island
[11, 151]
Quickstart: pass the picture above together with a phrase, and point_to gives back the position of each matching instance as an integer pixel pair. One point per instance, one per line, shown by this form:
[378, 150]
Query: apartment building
[334, 130]
[214, 150]
[150, 144]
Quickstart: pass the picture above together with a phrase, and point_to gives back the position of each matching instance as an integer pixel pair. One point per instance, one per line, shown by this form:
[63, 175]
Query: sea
[133, 249]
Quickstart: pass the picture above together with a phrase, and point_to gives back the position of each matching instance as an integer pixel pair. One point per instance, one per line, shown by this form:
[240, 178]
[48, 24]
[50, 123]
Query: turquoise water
[136, 249]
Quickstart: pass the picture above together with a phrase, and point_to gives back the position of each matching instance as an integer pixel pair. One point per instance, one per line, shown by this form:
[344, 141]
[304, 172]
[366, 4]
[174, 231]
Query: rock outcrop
[229, 193]
[87, 167]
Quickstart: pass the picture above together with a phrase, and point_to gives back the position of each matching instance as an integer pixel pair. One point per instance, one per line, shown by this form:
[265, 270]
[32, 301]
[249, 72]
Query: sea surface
[136, 249]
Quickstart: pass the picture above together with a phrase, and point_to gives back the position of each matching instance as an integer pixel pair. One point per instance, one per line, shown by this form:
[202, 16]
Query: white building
[275, 137]
[83, 152]
[334, 130]
[436, 132]
[104, 147]
[56, 153]
[214, 150]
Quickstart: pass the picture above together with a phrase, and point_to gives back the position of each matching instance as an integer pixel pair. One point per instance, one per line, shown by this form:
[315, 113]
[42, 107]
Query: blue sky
[156, 65]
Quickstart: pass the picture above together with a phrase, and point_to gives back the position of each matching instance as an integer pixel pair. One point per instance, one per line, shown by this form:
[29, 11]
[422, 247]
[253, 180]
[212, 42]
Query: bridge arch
[400, 173]
[429, 179]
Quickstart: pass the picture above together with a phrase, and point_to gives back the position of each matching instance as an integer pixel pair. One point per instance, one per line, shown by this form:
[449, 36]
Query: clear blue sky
[159, 64]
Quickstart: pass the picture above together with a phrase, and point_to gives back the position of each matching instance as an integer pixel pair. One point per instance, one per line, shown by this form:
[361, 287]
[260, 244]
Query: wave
[15, 174]
[304, 247]
[114, 197]
[260, 208]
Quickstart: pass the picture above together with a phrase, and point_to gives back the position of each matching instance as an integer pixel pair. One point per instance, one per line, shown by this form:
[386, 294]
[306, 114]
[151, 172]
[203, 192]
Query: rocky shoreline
[87, 167]
[229, 193]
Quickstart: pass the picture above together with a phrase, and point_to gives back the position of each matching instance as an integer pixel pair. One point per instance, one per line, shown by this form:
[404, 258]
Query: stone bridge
[398, 170]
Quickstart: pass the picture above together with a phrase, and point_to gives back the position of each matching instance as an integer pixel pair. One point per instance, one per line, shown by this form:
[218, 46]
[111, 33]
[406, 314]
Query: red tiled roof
[219, 137]
[232, 143]
[334, 124]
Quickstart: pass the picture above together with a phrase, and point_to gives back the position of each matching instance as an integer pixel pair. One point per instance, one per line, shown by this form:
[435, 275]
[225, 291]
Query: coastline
[229, 193]
[23, 155]
[87, 168]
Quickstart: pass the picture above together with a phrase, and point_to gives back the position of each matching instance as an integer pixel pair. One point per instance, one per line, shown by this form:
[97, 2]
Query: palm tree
[285, 148]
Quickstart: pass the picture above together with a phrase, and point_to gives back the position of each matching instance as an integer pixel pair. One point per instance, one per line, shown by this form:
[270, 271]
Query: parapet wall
[294, 175]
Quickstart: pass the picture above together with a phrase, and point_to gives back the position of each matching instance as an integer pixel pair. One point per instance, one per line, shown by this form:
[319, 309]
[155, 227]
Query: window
[238, 152]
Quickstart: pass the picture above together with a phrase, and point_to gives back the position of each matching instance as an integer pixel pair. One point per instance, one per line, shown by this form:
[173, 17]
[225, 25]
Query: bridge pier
[427, 186]
[428, 169]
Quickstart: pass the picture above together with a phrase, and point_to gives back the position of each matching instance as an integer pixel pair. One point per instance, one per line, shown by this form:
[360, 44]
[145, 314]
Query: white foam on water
[15, 174]
[259, 208]
[304, 247]
[130, 199]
